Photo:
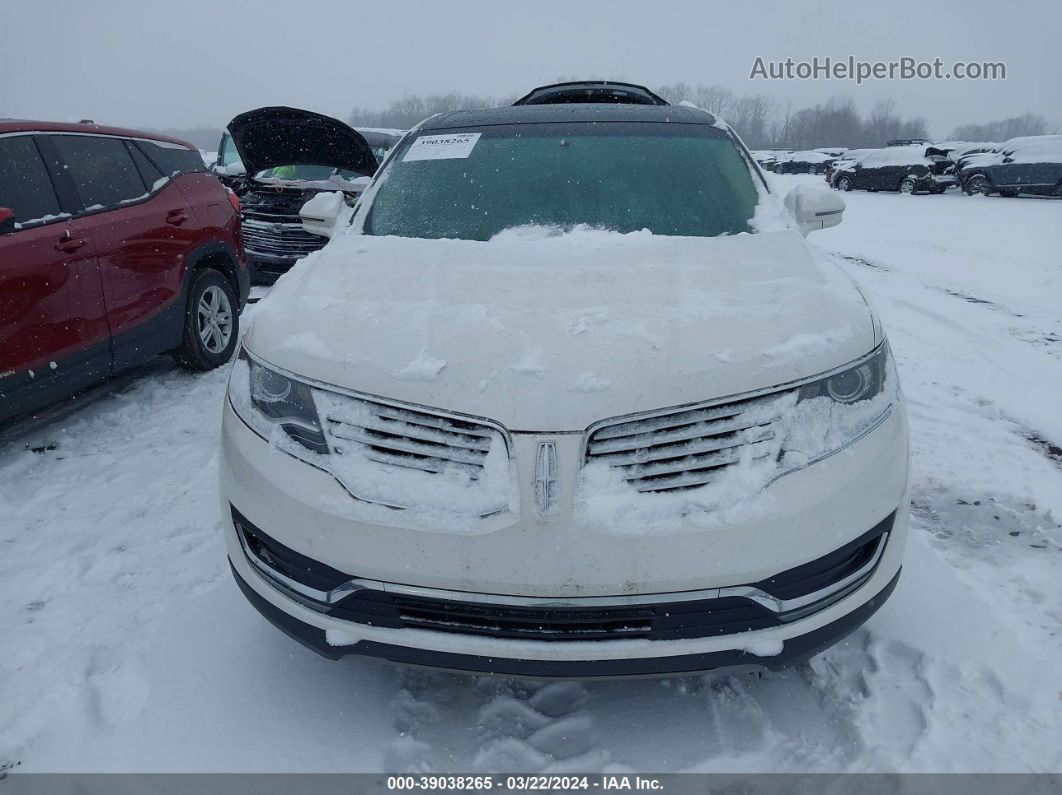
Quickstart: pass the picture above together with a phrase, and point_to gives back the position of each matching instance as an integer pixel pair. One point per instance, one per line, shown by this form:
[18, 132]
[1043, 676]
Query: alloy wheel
[214, 319]
[978, 183]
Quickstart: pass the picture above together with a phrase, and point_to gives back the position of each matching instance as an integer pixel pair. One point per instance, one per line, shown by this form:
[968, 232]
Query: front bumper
[265, 270]
[939, 181]
[815, 512]
[794, 651]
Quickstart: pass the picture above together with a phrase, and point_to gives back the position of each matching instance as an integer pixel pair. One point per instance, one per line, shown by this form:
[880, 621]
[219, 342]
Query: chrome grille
[409, 438]
[278, 236]
[688, 448]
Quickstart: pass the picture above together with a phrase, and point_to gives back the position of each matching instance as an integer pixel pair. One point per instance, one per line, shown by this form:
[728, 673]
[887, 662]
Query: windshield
[227, 154]
[672, 179]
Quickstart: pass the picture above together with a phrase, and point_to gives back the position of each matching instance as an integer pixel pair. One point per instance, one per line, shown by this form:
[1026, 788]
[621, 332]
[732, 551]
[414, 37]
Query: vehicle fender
[222, 257]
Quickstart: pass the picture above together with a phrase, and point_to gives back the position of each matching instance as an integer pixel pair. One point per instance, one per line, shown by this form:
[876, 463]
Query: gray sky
[199, 62]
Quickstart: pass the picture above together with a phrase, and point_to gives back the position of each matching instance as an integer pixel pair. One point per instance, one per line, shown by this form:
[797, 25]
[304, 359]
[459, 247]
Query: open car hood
[279, 136]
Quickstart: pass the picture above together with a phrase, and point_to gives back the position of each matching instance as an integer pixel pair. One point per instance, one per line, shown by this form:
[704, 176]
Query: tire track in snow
[1049, 341]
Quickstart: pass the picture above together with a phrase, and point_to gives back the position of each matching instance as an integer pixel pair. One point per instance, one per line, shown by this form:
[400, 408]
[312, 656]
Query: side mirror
[814, 208]
[7, 220]
[321, 213]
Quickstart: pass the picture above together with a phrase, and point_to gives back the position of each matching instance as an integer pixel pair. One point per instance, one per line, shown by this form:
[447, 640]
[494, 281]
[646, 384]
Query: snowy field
[125, 644]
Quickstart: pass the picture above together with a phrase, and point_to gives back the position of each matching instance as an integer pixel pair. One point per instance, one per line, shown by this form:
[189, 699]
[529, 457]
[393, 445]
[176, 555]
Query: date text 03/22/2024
[527, 783]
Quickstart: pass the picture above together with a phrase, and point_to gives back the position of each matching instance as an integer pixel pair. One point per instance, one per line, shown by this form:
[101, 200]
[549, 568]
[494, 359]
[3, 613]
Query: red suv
[115, 246]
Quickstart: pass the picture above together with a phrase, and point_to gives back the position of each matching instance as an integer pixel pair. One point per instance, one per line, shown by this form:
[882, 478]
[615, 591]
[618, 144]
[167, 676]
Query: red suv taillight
[234, 200]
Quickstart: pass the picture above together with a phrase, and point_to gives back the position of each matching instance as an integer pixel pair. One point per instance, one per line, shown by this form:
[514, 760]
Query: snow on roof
[1025, 140]
[896, 156]
[1038, 152]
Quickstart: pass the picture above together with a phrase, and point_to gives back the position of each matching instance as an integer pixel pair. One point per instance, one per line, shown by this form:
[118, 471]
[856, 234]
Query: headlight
[833, 412]
[860, 382]
[268, 400]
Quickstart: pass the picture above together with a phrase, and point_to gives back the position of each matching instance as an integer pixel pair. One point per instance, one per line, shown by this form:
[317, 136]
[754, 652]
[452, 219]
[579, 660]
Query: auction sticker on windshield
[442, 147]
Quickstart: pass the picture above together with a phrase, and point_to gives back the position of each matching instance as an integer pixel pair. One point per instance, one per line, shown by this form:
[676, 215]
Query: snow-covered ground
[125, 645]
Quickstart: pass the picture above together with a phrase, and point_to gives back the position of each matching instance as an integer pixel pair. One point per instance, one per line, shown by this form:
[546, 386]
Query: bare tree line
[1027, 124]
[762, 122]
[409, 110]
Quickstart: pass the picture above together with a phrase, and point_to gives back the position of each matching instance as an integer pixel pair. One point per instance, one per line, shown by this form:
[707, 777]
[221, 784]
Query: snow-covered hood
[280, 136]
[981, 159]
[552, 333]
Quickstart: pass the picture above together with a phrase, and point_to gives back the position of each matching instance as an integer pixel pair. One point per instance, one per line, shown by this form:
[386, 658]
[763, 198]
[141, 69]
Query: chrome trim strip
[280, 581]
[545, 478]
[801, 604]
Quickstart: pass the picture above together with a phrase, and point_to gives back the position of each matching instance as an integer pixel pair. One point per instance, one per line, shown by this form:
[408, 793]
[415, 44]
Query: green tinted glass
[670, 179]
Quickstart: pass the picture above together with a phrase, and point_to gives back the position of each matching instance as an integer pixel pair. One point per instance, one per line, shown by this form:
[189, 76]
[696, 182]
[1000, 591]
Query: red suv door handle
[176, 217]
[69, 244]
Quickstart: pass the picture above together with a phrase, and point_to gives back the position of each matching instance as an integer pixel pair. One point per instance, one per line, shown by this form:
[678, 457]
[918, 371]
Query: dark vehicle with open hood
[907, 169]
[1030, 165]
[278, 158]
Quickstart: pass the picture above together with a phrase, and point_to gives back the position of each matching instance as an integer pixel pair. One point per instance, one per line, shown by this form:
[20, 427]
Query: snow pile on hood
[509, 329]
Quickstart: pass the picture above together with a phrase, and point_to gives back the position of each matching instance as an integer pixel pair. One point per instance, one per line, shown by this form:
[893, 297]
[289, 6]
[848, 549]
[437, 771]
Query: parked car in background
[961, 154]
[764, 157]
[809, 162]
[381, 141]
[769, 158]
[1031, 165]
[384, 493]
[907, 169]
[228, 167]
[908, 142]
[843, 161]
[278, 158]
[115, 246]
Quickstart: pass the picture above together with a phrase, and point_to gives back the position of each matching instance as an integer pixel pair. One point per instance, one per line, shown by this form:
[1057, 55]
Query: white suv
[569, 395]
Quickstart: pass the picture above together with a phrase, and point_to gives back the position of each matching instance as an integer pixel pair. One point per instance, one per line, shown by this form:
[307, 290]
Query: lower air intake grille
[672, 621]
